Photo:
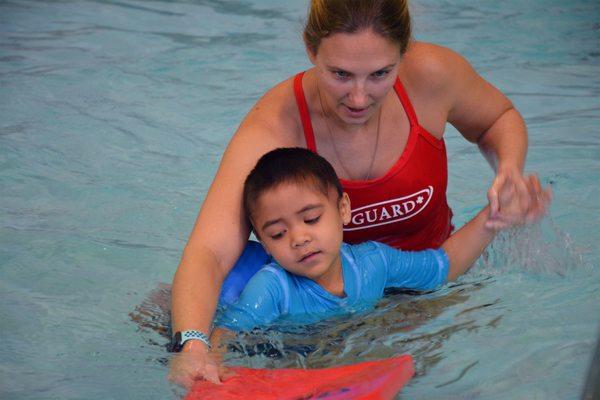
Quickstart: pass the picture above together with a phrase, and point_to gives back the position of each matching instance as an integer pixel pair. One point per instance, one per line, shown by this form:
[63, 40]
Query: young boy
[297, 208]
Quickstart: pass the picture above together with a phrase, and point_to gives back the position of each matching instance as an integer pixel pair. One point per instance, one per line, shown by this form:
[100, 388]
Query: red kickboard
[371, 380]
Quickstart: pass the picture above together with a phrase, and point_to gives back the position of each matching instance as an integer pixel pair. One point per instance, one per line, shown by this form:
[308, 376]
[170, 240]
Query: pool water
[113, 117]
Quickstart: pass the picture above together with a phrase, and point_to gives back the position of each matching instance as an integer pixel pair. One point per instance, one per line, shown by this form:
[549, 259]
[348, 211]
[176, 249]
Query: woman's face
[355, 72]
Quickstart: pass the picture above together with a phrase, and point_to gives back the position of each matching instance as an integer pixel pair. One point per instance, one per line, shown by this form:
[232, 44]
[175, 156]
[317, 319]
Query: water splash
[542, 248]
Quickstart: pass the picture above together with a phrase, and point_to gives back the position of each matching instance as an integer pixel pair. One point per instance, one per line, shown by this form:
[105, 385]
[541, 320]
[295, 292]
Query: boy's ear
[262, 244]
[264, 247]
[253, 229]
[344, 207]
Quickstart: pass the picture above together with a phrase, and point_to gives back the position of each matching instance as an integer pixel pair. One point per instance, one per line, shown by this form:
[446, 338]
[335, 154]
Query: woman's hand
[196, 362]
[516, 199]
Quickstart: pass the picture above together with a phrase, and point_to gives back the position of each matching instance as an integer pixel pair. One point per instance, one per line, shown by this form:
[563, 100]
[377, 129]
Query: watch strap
[193, 334]
[180, 338]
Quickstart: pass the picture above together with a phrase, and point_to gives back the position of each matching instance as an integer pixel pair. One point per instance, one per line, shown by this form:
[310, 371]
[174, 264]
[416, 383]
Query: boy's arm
[466, 245]
[428, 269]
[258, 305]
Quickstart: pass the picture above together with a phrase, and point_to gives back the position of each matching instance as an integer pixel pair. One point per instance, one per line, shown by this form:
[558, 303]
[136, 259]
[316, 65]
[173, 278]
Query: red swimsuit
[405, 208]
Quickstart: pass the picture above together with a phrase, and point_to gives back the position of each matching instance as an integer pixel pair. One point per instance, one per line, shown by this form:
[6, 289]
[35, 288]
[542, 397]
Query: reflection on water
[402, 322]
[392, 328]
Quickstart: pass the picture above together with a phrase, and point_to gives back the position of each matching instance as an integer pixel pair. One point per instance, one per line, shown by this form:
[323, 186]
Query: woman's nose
[358, 96]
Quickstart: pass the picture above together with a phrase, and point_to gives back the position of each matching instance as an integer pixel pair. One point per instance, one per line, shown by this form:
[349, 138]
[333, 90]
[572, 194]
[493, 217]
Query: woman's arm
[217, 240]
[221, 232]
[450, 90]
[485, 116]
[212, 365]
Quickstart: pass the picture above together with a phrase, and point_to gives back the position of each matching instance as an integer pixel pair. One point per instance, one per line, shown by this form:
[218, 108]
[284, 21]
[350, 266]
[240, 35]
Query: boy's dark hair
[288, 165]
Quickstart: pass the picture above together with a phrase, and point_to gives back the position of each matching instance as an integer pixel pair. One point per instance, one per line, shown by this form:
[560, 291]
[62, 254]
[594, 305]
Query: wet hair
[388, 18]
[289, 165]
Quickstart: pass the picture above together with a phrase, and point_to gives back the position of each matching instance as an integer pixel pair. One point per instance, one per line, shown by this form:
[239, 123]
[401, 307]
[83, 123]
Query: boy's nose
[299, 239]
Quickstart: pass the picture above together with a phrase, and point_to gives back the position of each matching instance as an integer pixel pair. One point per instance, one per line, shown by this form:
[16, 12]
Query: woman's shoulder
[431, 67]
[275, 115]
[280, 96]
[434, 78]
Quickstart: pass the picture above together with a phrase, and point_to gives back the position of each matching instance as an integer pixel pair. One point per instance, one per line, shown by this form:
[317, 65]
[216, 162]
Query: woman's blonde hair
[389, 18]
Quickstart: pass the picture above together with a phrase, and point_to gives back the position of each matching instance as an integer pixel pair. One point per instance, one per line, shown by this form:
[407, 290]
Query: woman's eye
[380, 74]
[312, 220]
[341, 74]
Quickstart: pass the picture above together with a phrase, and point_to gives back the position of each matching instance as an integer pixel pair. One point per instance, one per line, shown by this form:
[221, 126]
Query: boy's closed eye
[312, 220]
[276, 235]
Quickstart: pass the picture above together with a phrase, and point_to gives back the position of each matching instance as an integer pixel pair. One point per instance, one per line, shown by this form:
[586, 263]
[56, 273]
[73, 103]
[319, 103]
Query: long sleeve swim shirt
[367, 268]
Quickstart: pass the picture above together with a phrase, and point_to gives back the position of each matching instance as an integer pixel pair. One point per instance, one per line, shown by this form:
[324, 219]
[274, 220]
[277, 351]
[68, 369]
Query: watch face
[176, 343]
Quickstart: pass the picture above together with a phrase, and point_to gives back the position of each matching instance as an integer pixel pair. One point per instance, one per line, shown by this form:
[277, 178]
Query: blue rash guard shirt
[367, 268]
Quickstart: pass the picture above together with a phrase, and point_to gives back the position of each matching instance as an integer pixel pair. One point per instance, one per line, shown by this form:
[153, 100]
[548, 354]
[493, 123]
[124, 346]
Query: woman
[375, 105]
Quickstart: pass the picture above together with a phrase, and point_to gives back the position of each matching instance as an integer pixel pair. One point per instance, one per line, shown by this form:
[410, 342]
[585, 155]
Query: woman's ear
[345, 210]
[311, 56]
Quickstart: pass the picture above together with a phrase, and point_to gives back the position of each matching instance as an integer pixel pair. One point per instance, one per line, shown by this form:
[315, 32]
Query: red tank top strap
[408, 108]
[307, 128]
[309, 134]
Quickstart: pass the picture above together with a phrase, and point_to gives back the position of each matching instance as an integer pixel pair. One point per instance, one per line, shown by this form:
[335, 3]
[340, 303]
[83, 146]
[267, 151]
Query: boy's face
[302, 229]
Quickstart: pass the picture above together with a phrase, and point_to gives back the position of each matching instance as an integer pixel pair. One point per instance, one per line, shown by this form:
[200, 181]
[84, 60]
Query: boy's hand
[196, 362]
[516, 200]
